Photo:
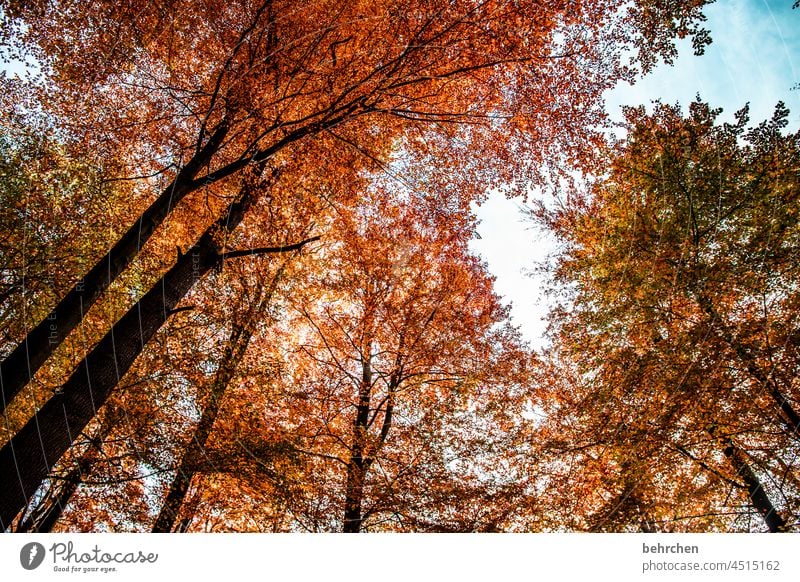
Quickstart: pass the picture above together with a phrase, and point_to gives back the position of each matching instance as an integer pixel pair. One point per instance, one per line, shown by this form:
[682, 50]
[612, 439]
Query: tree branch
[266, 250]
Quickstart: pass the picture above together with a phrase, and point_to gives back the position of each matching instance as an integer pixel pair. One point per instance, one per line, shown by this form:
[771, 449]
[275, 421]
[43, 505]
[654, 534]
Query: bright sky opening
[754, 58]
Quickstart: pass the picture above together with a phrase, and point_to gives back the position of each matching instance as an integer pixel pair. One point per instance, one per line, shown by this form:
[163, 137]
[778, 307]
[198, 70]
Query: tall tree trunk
[357, 464]
[362, 453]
[758, 497]
[30, 455]
[46, 514]
[17, 369]
[354, 494]
[788, 414]
[59, 494]
[23, 362]
[234, 352]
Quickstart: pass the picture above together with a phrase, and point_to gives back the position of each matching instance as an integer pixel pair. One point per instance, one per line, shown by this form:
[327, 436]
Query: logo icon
[31, 555]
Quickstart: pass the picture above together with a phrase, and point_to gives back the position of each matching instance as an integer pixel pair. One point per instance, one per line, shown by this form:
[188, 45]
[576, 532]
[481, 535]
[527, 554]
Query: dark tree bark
[789, 415]
[61, 489]
[362, 453]
[354, 494]
[758, 497]
[46, 514]
[167, 517]
[24, 361]
[357, 465]
[30, 455]
[167, 520]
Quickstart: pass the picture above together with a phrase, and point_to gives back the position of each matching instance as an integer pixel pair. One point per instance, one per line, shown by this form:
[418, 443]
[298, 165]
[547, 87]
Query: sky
[754, 57]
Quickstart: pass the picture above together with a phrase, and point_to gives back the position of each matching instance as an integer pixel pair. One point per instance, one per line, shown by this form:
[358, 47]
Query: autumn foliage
[678, 337]
[237, 291]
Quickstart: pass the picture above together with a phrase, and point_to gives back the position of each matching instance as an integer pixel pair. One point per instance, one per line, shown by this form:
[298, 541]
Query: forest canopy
[237, 290]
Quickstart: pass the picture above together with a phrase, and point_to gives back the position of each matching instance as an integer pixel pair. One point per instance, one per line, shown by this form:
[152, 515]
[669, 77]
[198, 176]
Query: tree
[49, 201]
[238, 342]
[398, 360]
[47, 510]
[682, 322]
[170, 407]
[291, 407]
[196, 91]
[33, 451]
[191, 100]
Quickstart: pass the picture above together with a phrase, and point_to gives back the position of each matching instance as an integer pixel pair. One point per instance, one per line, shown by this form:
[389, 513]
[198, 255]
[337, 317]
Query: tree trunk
[48, 512]
[167, 517]
[234, 352]
[354, 494]
[758, 497]
[30, 455]
[789, 415]
[24, 361]
[45, 516]
[356, 466]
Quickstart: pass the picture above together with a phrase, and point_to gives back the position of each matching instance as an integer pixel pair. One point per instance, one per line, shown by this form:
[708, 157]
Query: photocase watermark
[31, 555]
[66, 558]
